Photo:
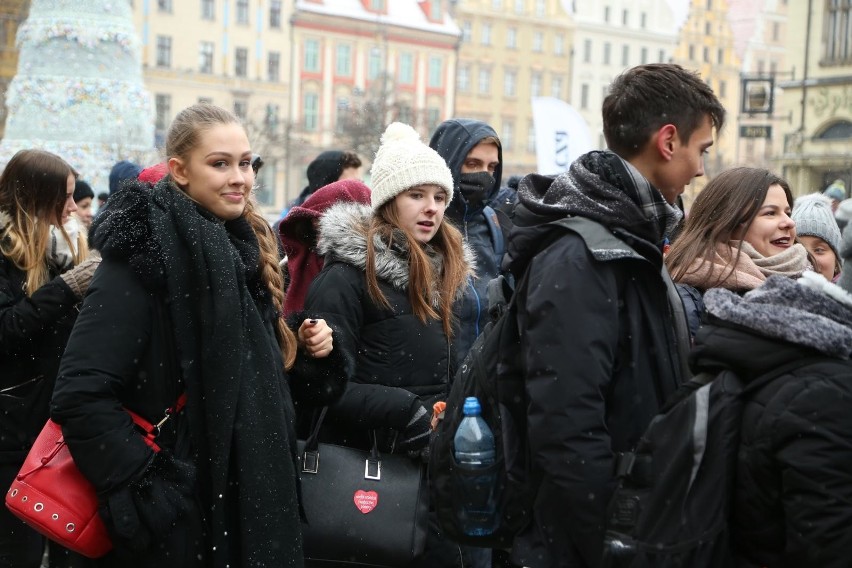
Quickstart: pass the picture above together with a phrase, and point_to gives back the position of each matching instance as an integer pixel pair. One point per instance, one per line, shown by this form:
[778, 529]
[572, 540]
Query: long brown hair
[447, 241]
[722, 212]
[33, 192]
[183, 136]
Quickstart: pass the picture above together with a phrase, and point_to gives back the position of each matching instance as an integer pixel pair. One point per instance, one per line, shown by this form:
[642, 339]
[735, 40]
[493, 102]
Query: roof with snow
[402, 13]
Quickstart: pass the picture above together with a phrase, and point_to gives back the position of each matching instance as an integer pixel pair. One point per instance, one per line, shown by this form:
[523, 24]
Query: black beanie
[82, 190]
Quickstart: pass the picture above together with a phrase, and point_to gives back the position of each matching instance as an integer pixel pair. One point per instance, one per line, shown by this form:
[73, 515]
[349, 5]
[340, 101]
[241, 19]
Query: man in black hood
[328, 167]
[473, 152]
[603, 333]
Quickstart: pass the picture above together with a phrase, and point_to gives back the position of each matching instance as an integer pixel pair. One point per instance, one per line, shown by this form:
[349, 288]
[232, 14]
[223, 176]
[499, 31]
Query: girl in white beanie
[392, 272]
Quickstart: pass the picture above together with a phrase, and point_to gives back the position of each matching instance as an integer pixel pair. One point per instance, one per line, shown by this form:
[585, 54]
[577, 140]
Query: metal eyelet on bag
[38, 507]
[70, 527]
[54, 516]
[24, 498]
[14, 492]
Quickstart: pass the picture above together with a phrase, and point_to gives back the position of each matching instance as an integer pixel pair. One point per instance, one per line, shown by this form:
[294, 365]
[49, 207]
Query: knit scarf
[746, 270]
[239, 408]
[603, 187]
[59, 255]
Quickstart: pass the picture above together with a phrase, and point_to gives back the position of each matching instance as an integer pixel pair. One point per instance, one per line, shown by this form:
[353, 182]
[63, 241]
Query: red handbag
[51, 495]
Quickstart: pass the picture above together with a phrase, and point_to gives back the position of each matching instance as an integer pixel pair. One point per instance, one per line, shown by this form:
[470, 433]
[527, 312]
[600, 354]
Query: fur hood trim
[343, 237]
[809, 313]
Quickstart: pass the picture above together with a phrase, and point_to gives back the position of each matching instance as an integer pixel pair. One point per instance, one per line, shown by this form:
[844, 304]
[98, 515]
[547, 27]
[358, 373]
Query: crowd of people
[364, 299]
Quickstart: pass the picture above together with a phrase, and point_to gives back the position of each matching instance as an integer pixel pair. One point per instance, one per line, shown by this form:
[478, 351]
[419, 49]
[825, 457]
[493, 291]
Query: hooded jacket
[299, 236]
[399, 361]
[453, 140]
[793, 487]
[597, 341]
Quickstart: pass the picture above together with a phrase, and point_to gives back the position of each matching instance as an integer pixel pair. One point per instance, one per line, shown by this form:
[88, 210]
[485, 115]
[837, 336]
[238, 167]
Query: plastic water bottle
[476, 506]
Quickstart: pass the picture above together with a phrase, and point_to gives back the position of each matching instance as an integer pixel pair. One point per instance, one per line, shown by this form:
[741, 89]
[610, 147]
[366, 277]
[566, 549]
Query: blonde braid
[270, 272]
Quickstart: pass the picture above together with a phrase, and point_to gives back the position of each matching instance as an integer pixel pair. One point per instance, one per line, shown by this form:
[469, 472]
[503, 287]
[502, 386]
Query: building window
[708, 28]
[343, 63]
[406, 68]
[205, 101]
[164, 5]
[662, 56]
[485, 81]
[275, 14]
[241, 109]
[510, 80]
[163, 106]
[241, 62]
[556, 87]
[644, 56]
[273, 67]
[507, 135]
[692, 53]
[709, 4]
[436, 72]
[310, 112]
[625, 55]
[838, 23]
[312, 59]
[242, 11]
[520, 7]
[466, 31]
[706, 54]
[377, 5]
[205, 57]
[496, 4]
[463, 79]
[433, 118]
[587, 51]
[208, 10]
[559, 44]
[374, 63]
[540, 8]
[584, 96]
[776, 31]
[606, 14]
[164, 51]
[607, 48]
[342, 111]
[486, 34]
[270, 120]
[435, 13]
[535, 84]
[723, 89]
[538, 42]
[625, 17]
[512, 38]
[643, 20]
[720, 56]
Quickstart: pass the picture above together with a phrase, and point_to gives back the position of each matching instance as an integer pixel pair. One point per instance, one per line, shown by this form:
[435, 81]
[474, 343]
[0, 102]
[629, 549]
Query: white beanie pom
[397, 131]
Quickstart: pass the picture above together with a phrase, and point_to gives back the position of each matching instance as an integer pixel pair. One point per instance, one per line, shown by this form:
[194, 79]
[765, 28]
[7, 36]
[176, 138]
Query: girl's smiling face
[772, 231]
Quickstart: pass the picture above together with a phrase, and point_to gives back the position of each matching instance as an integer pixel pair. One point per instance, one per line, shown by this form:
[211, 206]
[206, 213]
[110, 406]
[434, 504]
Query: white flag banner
[561, 135]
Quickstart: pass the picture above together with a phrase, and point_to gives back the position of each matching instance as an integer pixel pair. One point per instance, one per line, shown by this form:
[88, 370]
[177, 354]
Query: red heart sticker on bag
[366, 501]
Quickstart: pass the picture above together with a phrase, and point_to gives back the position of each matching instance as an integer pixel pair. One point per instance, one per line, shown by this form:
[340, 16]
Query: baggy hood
[343, 237]
[454, 139]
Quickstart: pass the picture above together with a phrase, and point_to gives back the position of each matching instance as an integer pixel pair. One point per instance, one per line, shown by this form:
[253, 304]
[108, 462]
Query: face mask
[476, 188]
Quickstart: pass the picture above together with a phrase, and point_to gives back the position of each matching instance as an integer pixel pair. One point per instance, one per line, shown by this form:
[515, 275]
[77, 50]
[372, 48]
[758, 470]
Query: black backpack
[492, 372]
[674, 494]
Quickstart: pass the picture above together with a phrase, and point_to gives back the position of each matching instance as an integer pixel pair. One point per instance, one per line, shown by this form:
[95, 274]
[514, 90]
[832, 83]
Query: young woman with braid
[188, 300]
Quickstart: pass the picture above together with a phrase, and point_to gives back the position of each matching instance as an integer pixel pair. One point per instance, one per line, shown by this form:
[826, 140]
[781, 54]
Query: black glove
[145, 510]
[416, 434]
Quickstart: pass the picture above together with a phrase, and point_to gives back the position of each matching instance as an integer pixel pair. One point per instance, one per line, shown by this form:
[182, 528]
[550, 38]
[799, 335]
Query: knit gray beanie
[403, 161]
[814, 217]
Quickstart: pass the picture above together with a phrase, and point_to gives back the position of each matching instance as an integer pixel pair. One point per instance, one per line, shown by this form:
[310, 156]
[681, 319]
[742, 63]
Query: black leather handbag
[363, 508]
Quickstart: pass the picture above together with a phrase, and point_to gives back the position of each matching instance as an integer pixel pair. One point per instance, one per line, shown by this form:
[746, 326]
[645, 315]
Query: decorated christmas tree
[78, 91]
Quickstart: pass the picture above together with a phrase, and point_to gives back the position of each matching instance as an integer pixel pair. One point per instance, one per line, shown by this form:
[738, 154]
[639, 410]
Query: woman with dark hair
[188, 301]
[44, 274]
[392, 273]
[739, 232]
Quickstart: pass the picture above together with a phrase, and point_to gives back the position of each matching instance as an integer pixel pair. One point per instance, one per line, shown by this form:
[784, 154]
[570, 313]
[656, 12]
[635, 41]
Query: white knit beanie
[403, 162]
[813, 216]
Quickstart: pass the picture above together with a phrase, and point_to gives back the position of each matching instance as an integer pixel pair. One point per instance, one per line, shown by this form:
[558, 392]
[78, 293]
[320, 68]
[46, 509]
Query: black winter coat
[399, 361]
[793, 500]
[33, 334]
[595, 339]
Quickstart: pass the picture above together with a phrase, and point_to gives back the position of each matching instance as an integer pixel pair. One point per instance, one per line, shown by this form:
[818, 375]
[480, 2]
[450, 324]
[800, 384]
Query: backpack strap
[496, 233]
[683, 341]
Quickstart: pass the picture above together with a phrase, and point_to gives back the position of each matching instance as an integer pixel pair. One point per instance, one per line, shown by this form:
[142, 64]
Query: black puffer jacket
[400, 362]
[793, 502]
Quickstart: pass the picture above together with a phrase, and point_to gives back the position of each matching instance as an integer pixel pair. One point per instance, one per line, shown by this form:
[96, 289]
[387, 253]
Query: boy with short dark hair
[603, 334]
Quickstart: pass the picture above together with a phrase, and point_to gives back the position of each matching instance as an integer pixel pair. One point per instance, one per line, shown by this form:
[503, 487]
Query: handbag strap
[151, 431]
[310, 454]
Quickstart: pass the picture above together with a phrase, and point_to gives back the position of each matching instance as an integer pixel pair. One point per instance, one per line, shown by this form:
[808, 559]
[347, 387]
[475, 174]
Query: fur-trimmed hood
[343, 237]
[810, 312]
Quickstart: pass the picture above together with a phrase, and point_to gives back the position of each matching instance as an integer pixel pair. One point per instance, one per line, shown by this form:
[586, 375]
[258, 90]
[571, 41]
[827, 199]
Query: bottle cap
[471, 406]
